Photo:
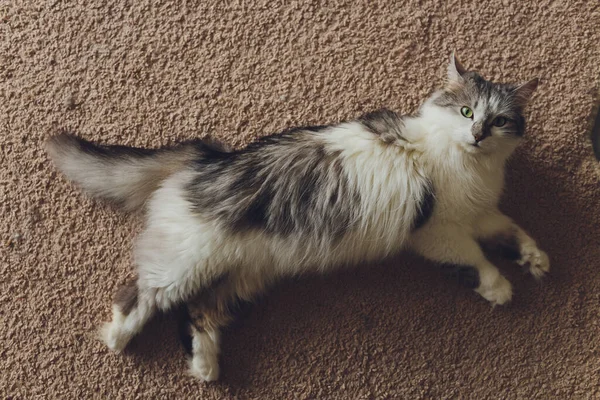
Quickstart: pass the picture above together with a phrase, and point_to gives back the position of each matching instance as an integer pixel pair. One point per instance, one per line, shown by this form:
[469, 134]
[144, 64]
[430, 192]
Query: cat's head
[478, 115]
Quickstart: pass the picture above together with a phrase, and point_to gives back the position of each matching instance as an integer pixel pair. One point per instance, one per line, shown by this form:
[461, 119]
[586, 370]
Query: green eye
[499, 121]
[466, 112]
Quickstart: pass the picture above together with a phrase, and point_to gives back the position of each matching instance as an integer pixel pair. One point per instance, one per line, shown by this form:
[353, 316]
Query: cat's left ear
[523, 92]
[455, 71]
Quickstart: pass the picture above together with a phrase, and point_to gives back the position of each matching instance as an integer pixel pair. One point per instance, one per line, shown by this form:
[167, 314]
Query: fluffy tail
[125, 175]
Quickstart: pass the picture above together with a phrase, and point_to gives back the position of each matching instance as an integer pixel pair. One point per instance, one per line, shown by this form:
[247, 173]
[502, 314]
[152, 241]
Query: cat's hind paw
[535, 260]
[112, 334]
[204, 367]
[204, 363]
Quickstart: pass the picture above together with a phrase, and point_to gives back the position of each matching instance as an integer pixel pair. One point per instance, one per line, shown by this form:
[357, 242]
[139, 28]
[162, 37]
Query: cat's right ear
[455, 71]
[523, 92]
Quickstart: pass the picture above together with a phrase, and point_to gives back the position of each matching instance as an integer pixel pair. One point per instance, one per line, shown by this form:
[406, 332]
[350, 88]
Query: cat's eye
[466, 112]
[499, 121]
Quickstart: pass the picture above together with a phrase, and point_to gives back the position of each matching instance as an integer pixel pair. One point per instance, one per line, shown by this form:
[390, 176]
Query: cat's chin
[473, 148]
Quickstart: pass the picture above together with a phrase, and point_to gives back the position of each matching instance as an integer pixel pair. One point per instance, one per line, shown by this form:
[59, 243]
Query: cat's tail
[124, 175]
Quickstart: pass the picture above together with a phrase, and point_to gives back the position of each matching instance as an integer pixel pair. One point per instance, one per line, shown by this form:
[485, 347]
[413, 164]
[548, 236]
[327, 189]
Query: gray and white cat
[223, 225]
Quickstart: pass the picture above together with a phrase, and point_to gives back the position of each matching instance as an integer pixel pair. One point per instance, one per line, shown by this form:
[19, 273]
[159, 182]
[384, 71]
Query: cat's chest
[462, 197]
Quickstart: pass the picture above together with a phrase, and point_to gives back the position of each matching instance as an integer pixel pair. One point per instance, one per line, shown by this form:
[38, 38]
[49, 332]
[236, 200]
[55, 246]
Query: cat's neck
[439, 149]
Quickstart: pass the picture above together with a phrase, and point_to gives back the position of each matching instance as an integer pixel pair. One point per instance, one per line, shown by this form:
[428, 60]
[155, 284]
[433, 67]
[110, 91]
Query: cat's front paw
[205, 367]
[499, 293]
[535, 259]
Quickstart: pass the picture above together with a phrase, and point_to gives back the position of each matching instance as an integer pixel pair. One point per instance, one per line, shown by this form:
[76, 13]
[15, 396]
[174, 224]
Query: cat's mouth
[474, 147]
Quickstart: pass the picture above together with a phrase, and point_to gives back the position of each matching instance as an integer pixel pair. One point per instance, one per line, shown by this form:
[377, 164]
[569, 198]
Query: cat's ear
[455, 71]
[524, 91]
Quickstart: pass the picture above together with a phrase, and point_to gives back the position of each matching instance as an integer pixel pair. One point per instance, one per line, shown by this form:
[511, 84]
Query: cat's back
[339, 193]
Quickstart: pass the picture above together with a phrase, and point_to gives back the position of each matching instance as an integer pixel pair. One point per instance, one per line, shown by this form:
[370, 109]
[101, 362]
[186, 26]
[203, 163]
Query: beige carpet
[149, 73]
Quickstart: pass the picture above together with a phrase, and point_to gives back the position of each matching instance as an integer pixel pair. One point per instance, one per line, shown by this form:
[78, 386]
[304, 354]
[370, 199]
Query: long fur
[230, 223]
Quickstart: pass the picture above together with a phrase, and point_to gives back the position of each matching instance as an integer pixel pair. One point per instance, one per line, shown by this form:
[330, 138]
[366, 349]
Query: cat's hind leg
[132, 308]
[211, 310]
[166, 278]
[175, 255]
[164, 281]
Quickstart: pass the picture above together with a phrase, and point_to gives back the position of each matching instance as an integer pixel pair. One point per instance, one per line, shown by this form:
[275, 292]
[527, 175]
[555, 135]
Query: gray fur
[123, 175]
[283, 184]
[386, 124]
[426, 206]
[126, 297]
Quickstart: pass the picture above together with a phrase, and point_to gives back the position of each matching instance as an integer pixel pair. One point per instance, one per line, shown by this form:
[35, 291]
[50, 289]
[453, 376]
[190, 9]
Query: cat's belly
[289, 257]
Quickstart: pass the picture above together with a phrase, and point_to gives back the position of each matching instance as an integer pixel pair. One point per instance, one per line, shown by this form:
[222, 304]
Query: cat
[223, 225]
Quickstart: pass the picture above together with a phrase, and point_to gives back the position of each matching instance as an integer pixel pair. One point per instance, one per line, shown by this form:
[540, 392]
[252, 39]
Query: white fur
[532, 256]
[204, 363]
[117, 333]
[111, 332]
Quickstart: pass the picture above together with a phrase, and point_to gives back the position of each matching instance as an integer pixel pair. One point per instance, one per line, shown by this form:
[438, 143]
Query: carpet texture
[149, 73]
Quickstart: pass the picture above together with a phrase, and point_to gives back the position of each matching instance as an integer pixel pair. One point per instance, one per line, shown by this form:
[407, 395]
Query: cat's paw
[535, 259]
[204, 363]
[112, 334]
[204, 367]
[499, 293]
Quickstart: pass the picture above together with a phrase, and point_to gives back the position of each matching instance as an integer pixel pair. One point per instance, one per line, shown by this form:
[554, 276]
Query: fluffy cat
[223, 225]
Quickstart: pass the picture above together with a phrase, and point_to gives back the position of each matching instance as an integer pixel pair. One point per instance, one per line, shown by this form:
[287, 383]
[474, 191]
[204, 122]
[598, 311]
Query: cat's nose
[479, 131]
[478, 137]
